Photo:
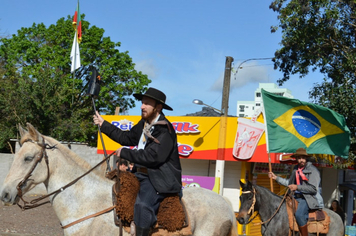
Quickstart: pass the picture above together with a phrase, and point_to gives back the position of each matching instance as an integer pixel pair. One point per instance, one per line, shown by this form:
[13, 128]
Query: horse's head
[29, 166]
[247, 202]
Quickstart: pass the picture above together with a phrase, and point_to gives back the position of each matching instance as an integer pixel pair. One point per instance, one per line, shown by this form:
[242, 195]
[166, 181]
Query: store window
[242, 108]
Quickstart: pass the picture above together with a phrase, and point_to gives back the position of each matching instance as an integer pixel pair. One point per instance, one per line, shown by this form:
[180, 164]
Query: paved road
[16, 234]
[40, 221]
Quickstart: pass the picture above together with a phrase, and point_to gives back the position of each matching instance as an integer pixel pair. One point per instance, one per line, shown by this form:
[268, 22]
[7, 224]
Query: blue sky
[181, 45]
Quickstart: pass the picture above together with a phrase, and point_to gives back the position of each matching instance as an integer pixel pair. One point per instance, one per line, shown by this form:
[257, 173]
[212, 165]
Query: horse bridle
[253, 206]
[43, 154]
[38, 159]
[32, 204]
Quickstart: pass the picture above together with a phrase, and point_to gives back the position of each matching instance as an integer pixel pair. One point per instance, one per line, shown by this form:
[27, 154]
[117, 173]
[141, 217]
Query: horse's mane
[258, 187]
[66, 151]
[73, 156]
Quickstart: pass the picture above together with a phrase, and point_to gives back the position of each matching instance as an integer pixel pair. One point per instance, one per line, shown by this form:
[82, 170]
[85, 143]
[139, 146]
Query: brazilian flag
[292, 124]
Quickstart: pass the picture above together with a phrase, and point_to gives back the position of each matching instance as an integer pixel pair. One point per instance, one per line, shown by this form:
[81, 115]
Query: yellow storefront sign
[198, 137]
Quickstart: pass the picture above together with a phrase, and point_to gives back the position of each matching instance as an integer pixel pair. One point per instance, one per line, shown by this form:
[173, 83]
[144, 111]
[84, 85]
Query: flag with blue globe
[291, 124]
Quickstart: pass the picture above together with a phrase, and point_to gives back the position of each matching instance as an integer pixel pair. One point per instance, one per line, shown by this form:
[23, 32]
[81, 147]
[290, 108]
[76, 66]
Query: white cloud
[249, 73]
[148, 67]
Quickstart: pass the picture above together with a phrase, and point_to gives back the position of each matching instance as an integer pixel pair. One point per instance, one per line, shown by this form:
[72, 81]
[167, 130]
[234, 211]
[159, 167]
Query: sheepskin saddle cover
[171, 213]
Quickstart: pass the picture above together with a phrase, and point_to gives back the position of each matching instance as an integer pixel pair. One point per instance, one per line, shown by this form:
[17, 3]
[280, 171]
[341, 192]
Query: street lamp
[200, 102]
[251, 59]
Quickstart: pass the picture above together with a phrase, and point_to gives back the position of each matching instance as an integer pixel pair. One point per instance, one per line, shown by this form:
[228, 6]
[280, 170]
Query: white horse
[57, 166]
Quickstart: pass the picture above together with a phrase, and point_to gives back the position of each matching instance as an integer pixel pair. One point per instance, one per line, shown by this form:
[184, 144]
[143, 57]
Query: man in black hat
[305, 182]
[156, 159]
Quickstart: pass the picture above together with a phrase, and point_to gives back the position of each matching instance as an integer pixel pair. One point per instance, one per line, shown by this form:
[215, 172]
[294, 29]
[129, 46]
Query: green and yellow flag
[292, 124]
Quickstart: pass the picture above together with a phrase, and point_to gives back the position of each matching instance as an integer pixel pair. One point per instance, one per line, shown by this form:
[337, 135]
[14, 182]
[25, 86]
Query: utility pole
[220, 162]
[226, 86]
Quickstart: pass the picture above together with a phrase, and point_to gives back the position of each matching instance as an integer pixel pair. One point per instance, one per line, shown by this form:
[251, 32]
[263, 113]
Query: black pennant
[94, 84]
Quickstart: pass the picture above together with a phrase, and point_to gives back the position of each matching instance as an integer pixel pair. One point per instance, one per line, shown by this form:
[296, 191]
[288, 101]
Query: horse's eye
[29, 158]
[244, 198]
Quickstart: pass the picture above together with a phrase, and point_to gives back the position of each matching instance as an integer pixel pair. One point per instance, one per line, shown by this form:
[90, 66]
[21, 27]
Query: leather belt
[142, 170]
[298, 195]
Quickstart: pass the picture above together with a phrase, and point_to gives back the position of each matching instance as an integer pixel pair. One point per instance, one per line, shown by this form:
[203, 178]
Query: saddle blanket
[318, 221]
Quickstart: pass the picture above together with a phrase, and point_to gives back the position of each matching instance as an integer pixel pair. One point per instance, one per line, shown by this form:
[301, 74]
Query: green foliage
[320, 35]
[36, 85]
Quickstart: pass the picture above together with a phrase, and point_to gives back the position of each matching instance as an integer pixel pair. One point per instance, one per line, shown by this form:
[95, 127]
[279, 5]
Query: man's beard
[147, 116]
[302, 164]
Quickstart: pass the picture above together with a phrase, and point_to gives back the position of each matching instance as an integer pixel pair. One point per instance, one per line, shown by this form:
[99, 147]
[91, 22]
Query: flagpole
[270, 170]
[73, 89]
[267, 146]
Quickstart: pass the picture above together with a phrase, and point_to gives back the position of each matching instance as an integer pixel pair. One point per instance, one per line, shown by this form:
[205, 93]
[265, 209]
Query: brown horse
[45, 160]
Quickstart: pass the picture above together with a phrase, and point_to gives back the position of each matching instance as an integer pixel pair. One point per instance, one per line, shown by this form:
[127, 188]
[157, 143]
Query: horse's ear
[22, 130]
[34, 133]
[242, 185]
[247, 185]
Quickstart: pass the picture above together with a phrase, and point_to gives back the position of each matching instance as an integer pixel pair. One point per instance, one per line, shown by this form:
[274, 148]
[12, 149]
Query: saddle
[171, 216]
[318, 221]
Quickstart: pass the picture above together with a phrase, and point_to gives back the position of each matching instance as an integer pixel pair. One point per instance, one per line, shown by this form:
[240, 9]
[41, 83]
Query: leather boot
[142, 231]
[303, 230]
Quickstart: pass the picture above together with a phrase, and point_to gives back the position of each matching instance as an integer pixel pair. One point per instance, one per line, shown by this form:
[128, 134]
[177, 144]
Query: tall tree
[36, 85]
[320, 35]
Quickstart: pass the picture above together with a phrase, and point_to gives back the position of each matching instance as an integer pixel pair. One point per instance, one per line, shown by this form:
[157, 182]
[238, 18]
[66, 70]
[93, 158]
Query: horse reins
[253, 206]
[280, 204]
[32, 204]
[88, 217]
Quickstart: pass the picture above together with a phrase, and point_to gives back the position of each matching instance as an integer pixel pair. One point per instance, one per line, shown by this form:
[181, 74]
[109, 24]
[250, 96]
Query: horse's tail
[233, 229]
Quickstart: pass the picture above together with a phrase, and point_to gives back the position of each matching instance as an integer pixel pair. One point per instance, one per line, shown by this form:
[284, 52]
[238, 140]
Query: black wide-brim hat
[156, 95]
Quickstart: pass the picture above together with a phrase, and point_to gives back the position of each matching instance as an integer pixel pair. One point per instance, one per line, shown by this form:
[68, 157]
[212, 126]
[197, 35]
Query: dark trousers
[302, 213]
[147, 203]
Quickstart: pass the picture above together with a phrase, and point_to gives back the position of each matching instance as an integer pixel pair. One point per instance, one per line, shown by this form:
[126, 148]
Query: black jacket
[162, 160]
